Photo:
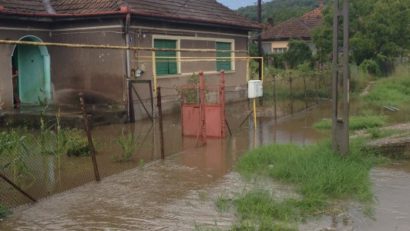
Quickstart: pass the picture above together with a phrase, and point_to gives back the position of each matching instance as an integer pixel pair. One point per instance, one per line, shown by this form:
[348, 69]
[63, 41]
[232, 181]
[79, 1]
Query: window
[224, 57]
[166, 61]
[279, 50]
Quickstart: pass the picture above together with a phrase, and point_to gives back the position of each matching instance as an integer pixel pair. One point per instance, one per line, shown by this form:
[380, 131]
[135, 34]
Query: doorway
[31, 73]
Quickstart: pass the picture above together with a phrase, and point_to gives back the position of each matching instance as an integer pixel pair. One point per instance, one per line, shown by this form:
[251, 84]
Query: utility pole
[341, 78]
[260, 53]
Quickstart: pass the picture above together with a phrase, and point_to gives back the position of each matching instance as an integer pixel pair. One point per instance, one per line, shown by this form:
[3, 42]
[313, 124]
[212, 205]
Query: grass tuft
[391, 91]
[4, 212]
[319, 175]
[356, 122]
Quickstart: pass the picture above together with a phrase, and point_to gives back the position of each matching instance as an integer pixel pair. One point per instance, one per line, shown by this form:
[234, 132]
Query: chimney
[124, 9]
[270, 21]
[49, 7]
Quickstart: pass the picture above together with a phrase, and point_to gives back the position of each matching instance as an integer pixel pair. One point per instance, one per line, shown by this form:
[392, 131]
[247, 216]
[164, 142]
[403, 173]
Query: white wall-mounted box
[255, 89]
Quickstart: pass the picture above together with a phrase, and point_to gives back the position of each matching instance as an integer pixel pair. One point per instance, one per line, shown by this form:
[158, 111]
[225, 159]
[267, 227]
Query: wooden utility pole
[260, 52]
[341, 76]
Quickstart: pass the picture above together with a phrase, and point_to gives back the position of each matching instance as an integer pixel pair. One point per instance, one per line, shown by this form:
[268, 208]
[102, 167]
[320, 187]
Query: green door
[33, 68]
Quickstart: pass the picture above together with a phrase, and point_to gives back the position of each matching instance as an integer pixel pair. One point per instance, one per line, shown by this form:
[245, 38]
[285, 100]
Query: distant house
[57, 74]
[276, 38]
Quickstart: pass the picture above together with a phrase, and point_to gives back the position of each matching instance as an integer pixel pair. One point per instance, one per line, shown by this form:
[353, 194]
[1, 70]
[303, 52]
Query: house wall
[100, 73]
[13, 31]
[269, 47]
[190, 38]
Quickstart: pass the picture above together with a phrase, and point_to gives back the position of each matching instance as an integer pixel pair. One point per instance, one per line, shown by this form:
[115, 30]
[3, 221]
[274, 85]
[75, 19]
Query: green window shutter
[166, 61]
[223, 54]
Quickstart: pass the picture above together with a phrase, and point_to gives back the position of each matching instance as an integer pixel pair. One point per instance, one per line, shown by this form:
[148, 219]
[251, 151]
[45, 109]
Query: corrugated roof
[207, 11]
[296, 27]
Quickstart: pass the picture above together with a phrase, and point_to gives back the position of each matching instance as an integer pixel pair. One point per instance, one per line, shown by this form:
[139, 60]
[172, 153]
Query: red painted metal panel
[213, 118]
[205, 120]
[190, 120]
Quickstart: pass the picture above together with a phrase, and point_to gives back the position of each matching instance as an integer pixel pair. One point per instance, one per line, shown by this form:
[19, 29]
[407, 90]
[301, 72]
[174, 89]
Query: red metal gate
[204, 119]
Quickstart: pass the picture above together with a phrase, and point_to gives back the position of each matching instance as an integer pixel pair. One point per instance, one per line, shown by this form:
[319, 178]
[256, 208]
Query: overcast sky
[235, 4]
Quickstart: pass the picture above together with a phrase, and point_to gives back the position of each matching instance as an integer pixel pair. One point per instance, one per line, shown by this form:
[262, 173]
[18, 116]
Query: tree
[298, 53]
[279, 10]
[380, 32]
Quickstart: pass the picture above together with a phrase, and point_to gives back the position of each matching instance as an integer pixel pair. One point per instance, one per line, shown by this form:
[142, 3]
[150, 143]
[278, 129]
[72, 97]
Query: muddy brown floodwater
[180, 192]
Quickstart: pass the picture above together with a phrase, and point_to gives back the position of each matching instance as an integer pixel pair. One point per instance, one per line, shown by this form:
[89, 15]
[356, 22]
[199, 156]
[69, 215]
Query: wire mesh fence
[293, 91]
[42, 154]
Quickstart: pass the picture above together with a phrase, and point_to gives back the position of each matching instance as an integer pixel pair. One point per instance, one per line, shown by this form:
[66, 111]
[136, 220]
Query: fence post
[305, 89]
[161, 124]
[291, 94]
[131, 114]
[274, 98]
[202, 108]
[224, 122]
[89, 138]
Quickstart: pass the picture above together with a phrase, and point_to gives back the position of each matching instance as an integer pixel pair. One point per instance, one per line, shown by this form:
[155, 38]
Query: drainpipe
[127, 24]
[127, 42]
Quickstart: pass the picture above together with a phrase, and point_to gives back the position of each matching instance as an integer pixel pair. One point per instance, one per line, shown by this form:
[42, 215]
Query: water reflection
[189, 167]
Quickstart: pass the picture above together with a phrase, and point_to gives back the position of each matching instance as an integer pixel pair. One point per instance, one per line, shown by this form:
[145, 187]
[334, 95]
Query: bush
[298, 53]
[371, 67]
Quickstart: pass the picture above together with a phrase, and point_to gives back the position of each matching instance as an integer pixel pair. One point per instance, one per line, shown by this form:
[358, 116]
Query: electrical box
[255, 89]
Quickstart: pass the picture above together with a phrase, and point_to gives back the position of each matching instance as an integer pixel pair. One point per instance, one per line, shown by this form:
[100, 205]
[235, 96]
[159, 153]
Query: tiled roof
[23, 6]
[194, 10]
[199, 11]
[296, 27]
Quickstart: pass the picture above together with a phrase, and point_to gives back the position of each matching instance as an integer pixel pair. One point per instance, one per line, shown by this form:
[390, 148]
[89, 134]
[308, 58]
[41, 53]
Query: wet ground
[180, 193]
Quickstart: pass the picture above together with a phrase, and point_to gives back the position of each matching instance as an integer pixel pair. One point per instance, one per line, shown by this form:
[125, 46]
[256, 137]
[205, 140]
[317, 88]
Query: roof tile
[209, 11]
[296, 27]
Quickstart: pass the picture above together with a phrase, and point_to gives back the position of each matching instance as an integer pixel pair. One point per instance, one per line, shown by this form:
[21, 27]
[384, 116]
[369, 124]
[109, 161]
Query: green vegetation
[356, 122]
[4, 212]
[190, 93]
[298, 54]
[316, 82]
[320, 177]
[13, 151]
[377, 133]
[379, 34]
[279, 10]
[392, 91]
[18, 145]
[128, 146]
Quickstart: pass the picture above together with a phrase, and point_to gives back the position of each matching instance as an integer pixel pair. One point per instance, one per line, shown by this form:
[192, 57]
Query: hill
[279, 10]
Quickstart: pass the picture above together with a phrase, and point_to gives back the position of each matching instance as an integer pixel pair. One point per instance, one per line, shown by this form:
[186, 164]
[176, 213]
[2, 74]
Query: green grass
[319, 175]
[128, 145]
[4, 212]
[356, 122]
[391, 91]
[223, 204]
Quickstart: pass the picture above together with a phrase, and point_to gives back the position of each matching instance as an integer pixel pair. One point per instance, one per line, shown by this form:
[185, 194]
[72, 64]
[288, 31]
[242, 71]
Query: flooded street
[180, 193]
